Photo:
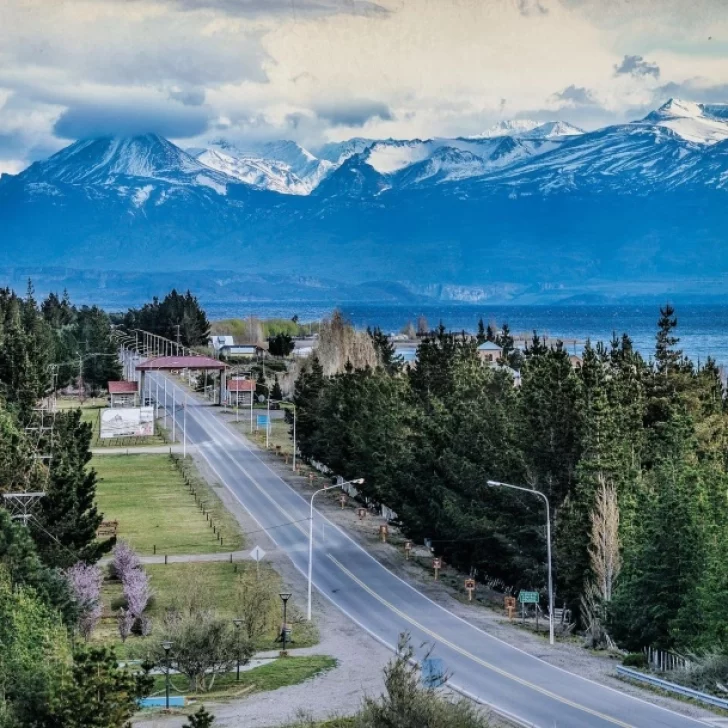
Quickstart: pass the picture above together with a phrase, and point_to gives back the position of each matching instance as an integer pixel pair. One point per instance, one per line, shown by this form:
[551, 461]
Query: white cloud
[328, 69]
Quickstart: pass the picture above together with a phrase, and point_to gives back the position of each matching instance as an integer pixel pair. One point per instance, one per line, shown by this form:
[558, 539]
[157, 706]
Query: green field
[147, 495]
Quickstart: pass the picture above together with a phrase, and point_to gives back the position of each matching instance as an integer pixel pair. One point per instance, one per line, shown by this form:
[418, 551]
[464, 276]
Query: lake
[703, 329]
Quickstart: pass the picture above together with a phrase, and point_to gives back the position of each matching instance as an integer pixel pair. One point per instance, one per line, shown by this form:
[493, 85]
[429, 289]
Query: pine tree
[481, 337]
[67, 517]
[275, 392]
[200, 719]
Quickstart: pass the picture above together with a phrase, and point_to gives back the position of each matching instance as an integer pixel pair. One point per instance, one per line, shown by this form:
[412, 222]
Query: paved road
[515, 683]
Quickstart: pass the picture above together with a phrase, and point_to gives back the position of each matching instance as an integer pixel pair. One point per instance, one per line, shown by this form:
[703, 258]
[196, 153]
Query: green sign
[528, 597]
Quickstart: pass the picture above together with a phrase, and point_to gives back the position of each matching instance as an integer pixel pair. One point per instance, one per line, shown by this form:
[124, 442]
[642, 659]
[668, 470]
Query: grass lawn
[214, 584]
[147, 495]
[283, 672]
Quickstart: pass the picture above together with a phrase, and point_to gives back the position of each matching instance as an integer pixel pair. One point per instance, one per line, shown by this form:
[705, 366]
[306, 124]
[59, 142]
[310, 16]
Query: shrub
[635, 659]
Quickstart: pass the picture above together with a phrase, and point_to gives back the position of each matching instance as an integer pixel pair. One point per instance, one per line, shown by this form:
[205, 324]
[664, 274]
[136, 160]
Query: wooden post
[407, 549]
[470, 587]
[383, 531]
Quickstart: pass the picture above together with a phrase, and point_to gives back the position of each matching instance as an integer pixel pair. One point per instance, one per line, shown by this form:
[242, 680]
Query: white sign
[127, 422]
[257, 553]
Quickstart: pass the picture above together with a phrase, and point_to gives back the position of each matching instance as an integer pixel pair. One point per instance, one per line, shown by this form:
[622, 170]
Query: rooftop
[241, 385]
[123, 387]
[181, 362]
[489, 346]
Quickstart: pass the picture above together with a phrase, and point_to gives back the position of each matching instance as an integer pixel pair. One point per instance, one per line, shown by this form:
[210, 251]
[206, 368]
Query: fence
[664, 661]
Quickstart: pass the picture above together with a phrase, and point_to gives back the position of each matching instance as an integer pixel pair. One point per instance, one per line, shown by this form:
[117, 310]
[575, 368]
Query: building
[239, 392]
[489, 351]
[217, 342]
[124, 394]
[239, 351]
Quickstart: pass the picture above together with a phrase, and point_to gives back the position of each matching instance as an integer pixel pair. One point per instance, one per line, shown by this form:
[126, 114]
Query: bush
[635, 659]
[708, 673]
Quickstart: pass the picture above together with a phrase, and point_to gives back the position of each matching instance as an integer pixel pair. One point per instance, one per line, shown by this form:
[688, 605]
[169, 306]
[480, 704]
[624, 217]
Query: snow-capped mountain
[281, 166]
[531, 204]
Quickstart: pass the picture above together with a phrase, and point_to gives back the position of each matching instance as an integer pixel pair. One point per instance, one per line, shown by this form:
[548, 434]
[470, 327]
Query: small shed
[240, 392]
[489, 351]
[123, 394]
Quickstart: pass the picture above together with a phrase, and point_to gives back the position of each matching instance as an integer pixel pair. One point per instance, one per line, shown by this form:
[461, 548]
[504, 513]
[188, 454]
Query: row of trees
[630, 453]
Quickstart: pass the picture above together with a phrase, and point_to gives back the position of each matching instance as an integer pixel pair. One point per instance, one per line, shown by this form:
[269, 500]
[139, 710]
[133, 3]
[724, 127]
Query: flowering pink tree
[125, 560]
[137, 591]
[85, 582]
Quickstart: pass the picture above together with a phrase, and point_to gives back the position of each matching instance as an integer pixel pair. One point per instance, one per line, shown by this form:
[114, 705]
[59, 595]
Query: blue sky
[321, 70]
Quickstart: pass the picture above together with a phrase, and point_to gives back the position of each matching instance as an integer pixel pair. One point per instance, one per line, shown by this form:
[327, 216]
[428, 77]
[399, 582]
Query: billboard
[127, 422]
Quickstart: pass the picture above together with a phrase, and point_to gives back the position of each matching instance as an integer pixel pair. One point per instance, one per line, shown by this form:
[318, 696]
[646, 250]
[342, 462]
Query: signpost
[528, 597]
[362, 513]
[437, 565]
[407, 549]
[510, 605]
[343, 498]
[383, 531]
[470, 588]
[257, 554]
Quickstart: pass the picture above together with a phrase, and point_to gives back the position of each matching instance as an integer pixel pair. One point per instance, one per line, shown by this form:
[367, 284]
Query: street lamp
[358, 481]
[167, 646]
[238, 622]
[285, 596]
[495, 483]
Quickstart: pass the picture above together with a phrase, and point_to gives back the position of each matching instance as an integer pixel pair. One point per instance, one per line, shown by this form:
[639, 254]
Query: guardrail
[672, 687]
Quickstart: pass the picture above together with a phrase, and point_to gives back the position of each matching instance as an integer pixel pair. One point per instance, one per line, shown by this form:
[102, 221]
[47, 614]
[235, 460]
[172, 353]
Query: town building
[489, 351]
[123, 394]
[239, 392]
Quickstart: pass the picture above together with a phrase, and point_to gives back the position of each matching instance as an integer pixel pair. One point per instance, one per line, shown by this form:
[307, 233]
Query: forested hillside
[630, 453]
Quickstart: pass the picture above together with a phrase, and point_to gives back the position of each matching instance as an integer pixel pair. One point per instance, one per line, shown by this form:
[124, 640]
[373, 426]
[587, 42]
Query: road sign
[257, 553]
[433, 672]
[528, 597]
[470, 588]
[262, 420]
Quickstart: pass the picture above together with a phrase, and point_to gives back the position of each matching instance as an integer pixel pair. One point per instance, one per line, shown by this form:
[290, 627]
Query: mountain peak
[108, 160]
[508, 127]
[694, 122]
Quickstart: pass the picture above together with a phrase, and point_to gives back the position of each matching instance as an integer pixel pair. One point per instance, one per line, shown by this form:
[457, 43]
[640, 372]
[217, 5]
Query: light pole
[495, 483]
[184, 427]
[285, 596]
[358, 481]
[167, 646]
[237, 623]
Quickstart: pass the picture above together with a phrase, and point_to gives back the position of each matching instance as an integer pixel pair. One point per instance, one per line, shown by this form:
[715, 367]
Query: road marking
[470, 656]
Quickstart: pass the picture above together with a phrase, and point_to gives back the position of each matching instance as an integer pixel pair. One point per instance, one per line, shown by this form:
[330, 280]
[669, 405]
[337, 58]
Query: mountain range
[523, 211]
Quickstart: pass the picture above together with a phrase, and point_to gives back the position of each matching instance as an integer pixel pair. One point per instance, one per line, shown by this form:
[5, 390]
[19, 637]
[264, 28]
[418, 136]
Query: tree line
[47, 677]
[630, 453]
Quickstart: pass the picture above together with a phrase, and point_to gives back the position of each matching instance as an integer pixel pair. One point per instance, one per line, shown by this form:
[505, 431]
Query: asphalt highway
[516, 684]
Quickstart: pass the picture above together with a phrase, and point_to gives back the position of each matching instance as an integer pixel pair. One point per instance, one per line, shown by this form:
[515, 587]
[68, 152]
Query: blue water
[703, 329]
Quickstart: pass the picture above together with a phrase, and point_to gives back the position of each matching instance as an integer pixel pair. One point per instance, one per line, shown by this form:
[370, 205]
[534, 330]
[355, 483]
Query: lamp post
[237, 622]
[358, 481]
[167, 646]
[285, 596]
[538, 493]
